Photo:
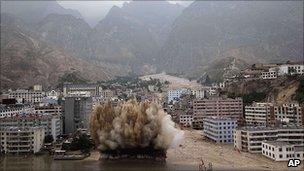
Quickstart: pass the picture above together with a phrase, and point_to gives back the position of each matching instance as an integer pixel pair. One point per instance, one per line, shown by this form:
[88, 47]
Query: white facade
[52, 95]
[27, 96]
[186, 120]
[52, 124]
[219, 129]
[21, 140]
[12, 110]
[92, 89]
[269, 75]
[250, 138]
[282, 151]
[37, 87]
[290, 69]
[107, 94]
[174, 95]
[198, 93]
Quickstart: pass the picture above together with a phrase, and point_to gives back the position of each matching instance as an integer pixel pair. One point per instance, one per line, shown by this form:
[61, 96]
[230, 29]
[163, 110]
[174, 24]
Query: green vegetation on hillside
[250, 97]
[71, 78]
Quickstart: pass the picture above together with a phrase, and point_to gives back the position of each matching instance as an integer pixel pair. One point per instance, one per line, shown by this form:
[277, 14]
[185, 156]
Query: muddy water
[45, 162]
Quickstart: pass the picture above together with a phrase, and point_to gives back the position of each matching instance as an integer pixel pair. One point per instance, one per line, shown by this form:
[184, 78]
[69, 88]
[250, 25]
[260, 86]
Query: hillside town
[36, 120]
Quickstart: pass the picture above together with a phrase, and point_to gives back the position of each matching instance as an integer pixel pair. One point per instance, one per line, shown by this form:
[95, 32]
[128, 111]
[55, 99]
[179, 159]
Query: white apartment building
[282, 151]
[174, 95]
[11, 110]
[53, 94]
[92, 89]
[186, 120]
[107, 94]
[52, 124]
[290, 69]
[267, 113]
[269, 75]
[21, 140]
[37, 87]
[250, 138]
[219, 129]
[27, 96]
[221, 107]
[199, 93]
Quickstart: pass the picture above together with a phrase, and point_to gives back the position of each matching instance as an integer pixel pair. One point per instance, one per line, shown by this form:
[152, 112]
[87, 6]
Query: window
[280, 149]
[281, 156]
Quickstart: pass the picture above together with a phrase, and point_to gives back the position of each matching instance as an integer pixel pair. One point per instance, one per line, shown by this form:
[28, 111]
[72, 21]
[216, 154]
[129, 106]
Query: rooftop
[218, 118]
[280, 143]
[264, 128]
[14, 129]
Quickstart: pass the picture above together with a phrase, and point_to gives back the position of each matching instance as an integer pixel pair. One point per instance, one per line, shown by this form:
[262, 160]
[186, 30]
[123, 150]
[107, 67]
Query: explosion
[133, 127]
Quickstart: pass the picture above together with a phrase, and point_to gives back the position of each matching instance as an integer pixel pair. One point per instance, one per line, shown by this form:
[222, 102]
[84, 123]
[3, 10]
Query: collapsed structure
[133, 130]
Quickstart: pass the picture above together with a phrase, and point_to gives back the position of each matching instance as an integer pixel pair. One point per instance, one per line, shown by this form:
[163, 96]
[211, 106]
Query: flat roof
[219, 118]
[280, 143]
[17, 128]
[262, 128]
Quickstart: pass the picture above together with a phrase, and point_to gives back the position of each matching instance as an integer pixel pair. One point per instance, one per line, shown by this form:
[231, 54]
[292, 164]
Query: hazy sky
[98, 9]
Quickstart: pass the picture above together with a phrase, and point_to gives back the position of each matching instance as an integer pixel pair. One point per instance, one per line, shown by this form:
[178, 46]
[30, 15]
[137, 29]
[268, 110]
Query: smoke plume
[133, 125]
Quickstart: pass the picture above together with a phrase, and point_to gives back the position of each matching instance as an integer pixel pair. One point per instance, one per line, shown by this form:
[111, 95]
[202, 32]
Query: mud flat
[175, 82]
[194, 148]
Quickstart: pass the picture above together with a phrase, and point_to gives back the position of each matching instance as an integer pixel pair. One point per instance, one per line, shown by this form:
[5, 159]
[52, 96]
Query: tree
[81, 142]
[207, 80]
[48, 139]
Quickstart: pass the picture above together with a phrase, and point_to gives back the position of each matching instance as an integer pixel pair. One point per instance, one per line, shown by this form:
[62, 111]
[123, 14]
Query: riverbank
[187, 156]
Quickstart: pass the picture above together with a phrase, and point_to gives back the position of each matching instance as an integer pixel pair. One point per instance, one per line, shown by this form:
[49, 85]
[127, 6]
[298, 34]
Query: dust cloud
[133, 125]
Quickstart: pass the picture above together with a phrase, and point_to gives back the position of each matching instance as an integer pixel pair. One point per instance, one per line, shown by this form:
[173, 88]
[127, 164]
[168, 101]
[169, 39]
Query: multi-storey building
[282, 151]
[27, 96]
[93, 89]
[269, 74]
[186, 120]
[174, 95]
[199, 93]
[290, 69]
[76, 113]
[37, 87]
[221, 107]
[51, 123]
[21, 140]
[250, 138]
[49, 109]
[268, 113]
[219, 129]
[15, 109]
[107, 94]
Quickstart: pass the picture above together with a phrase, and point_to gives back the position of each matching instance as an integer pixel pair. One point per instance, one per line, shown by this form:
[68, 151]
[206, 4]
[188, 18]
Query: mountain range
[145, 37]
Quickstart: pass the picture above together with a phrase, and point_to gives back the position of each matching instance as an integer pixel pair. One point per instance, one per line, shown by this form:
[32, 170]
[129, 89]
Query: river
[45, 162]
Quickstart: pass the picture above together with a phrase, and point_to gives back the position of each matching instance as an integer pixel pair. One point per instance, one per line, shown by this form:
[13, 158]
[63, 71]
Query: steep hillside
[65, 32]
[26, 60]
[35, 11]
[281, 90]
[133, 34]
[254, 31]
